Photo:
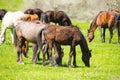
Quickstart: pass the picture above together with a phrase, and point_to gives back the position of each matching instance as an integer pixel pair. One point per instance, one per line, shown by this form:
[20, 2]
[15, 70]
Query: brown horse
[68, 35]
[59, 17]
[34, 11]
[105, 19]
[2, 13]
[29, 31]
[32, 17]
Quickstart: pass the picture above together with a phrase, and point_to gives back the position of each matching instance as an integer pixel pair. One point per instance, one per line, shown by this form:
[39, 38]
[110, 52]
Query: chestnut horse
[68, 35]
[59, 17]
[2, 13]
[29, 31]
[32, 17]
[105, 19]
[34, 11]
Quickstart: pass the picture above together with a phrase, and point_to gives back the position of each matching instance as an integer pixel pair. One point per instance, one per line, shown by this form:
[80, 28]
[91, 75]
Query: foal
[68, 35]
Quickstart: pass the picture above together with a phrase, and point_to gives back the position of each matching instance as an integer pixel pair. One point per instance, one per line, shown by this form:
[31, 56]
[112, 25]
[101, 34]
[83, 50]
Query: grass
[105, 60]
[11, 5]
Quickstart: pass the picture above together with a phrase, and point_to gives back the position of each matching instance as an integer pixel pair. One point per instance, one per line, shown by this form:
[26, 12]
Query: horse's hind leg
[50, 45]
[118, 29]
[111, 34]
[19, 53]
[34, 47]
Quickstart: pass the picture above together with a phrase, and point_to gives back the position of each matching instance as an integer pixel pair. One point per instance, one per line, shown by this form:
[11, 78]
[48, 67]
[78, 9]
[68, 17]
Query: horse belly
[63, 40]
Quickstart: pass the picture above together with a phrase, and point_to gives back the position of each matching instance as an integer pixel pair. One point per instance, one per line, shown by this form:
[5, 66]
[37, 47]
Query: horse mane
[94, 20]
[84, 45]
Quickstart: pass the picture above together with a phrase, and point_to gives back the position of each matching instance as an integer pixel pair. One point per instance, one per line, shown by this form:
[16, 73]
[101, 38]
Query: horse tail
[94, 20]
[15, 38]
[41, 39]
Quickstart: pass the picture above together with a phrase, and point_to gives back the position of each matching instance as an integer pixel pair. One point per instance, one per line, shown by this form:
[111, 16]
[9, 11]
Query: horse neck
[93, 27]
[84, 46]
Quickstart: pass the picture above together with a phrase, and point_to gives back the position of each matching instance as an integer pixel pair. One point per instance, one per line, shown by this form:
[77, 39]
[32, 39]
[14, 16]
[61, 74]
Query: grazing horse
[29, 31]
[59, 17]
[68, 35]
[105, 19]
[2, 13]
[10, 20]
[32, 17]
[34, 11]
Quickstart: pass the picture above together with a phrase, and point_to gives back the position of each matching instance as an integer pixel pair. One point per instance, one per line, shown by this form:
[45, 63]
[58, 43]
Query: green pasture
[105, 60]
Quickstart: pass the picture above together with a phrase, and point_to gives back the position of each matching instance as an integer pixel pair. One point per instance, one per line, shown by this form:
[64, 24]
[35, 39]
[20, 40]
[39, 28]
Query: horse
[32, 17]
[23, 33]
[34, 11]
[10, 20]
[59, 17]
[104, 19]
[2, 13]
[68, 35]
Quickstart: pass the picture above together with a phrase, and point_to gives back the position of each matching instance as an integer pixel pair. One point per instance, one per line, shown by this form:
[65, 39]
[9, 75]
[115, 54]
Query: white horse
[10, 20]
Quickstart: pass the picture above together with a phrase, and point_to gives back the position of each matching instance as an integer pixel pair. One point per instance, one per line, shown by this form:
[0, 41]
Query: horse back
[62, 35]
[105, 18]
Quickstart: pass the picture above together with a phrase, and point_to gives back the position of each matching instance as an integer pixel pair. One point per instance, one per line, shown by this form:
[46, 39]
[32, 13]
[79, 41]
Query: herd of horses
[33, 26]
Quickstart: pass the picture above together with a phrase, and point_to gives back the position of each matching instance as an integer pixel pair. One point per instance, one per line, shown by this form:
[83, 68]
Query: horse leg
[58, 54]
[39, 48]
[72, 49]
[101, 35]
[103, 41]
[118, 29]
[45, 50]
[111, 34]
[74, 59]
[25, 49]
[50, 52]
[2, 35]
[19, 51]
[34, 47]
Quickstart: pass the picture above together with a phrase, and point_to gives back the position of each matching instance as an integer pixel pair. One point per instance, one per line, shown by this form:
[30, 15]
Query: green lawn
[105, 60]
[105, 63]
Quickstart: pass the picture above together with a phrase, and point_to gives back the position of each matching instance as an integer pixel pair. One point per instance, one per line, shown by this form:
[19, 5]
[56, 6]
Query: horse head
[86, 58]
[90, 36]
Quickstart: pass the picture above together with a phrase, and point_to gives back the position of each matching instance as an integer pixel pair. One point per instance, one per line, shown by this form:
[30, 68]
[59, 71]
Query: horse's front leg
[2, 35]
[101, 34]
[34, 47]
[74, 59]
[70, 56]
[111, 34]
[19, 53]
